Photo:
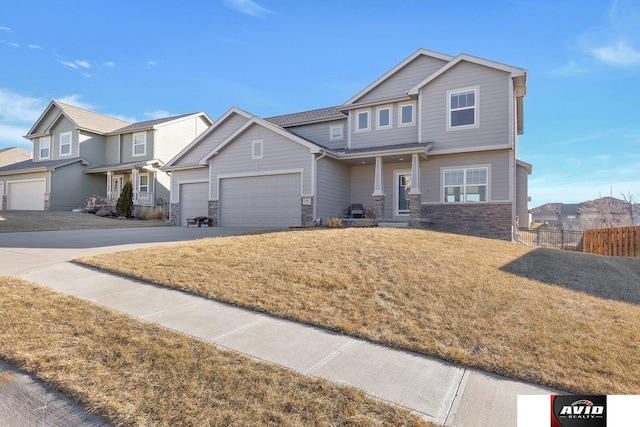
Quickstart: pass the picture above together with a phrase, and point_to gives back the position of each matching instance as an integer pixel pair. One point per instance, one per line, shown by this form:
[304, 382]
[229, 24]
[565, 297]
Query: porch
[142, 176]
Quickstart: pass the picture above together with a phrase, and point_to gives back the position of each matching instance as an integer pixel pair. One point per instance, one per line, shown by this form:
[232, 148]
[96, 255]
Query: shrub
[334, 222]
[124, 207]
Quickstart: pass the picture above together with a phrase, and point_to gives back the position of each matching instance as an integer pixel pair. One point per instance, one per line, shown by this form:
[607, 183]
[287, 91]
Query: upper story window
[406, 114]
[45, 147]
[462, 106]
[465, 184]
[363, 121]
[257, 149]
[335, 132]
[139, 144]
[65, 144]
[384, 117]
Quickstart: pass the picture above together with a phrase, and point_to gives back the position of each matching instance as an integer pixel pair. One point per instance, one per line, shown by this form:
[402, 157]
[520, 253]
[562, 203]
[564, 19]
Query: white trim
[380, 109]
[378, 177]
[336, 138]
[363, 111]
[257, 143]
[470, 149]
[70, 144]
[486, 166]
[419, 113]
[476, 108]
[40, 147]
[413, 114]
[396, 174]
[349, 129]
[133, 144]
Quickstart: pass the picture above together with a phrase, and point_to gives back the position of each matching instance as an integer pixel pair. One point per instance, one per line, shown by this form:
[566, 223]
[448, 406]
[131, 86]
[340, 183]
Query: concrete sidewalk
[436, 390]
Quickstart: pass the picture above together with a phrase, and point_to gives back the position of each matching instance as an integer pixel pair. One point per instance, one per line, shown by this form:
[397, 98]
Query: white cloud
[14, 45]
[35, 46]
[75, 101]
[83, 64]
[618, 54]
[19, 108]
[6, 29]
[247, 7]
[68, 64]
[158, 114]
[152, 63]
[12, 135]
[110, 64]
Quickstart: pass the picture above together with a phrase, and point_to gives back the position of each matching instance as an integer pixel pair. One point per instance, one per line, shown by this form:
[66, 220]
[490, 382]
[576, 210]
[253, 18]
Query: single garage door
[260, 201]
[26, 196]
[194, 201]
[1, 193]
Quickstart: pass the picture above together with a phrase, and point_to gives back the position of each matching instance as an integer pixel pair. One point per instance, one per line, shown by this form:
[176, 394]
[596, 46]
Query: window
[465, 185]
[144, 183]
[384, 118]
[139, 144]
[362, 121]
[335, 132]
[65, 144]
[406, 115]
[45, 146]
[257, 149]
[463, 108]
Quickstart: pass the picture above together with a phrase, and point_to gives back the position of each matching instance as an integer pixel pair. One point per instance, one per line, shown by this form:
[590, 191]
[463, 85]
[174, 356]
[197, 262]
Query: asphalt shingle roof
[132, 127]
[322, 114]
[86, 119]
[31, 164]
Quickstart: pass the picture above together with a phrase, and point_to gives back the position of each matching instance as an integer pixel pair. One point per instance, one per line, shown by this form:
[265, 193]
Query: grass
[135, 373]
[559, 319]
[19, 221]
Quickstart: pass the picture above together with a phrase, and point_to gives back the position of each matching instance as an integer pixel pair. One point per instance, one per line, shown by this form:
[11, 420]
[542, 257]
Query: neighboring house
[79, 153]
[602, 212]
[432, 142]
[12, 155]
[555, 213]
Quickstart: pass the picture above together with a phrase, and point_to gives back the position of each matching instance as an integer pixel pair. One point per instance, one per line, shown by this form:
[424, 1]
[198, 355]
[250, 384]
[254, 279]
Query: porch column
[378, 190]
[109, 185]
[415, 195]
[135, 185]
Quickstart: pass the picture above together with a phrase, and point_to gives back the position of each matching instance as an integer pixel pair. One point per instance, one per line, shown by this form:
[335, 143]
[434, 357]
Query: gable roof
[230, 112]
[151, 124]
[307, 117]
[514, 71]
[81, 118]
[397, 68]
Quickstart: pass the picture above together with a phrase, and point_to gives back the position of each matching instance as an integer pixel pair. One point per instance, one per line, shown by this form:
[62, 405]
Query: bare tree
[628, 199]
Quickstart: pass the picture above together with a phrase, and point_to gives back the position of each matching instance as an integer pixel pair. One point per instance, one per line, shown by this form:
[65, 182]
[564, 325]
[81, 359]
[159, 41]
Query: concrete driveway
[436, 390]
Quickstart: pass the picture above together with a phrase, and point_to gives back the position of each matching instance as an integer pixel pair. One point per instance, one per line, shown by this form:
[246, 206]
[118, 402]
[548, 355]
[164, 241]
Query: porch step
[398, 224]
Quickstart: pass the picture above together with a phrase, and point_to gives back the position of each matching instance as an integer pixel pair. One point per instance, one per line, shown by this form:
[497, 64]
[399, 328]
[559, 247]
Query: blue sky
[142, 59]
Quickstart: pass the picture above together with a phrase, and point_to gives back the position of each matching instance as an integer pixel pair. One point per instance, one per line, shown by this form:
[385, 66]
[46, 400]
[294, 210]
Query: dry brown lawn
[564, 320]
[19, 221]
[133, 373]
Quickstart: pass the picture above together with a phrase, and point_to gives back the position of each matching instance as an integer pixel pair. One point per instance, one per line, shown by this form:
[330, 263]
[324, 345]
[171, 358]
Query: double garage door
[26, 196]
[260, 201]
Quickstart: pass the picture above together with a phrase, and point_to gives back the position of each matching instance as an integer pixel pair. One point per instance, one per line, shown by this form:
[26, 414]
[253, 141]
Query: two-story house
[80, 153]
[432, 142]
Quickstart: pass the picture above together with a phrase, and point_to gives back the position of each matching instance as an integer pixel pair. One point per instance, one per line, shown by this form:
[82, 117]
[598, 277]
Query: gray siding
[47, 121]
[381, 137]
[172, 138]
[522, 196]
[403, 80]
[64, 125]
[280, 154]
[70, 187]
[188, 175]
[222, 131]
[162, 189]
[320, 133]
[362, 185]
[333, 188]
[112, 150]
[497, 161]
[127, 148]
[92, 148]
[493, 104]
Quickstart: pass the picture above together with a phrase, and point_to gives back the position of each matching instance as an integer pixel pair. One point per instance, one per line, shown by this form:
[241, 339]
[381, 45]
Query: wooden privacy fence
[618, 241]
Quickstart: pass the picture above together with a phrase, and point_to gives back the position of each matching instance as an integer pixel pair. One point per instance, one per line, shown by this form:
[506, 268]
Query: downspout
[315, 182]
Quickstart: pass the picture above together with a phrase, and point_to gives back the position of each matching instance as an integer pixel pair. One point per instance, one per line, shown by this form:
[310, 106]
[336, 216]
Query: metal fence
[568, 240]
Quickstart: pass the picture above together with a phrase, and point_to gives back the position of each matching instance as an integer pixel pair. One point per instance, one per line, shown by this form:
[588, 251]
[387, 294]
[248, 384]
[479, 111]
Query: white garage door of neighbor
[1, 193]
[26, 196]
[194, 201]
[260, 201]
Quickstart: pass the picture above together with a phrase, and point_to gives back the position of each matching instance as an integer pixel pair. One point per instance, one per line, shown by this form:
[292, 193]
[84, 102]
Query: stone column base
[213, 212]
[306, 216]
[174, 214]
[47, 201]
[415, 206]
[378, 206]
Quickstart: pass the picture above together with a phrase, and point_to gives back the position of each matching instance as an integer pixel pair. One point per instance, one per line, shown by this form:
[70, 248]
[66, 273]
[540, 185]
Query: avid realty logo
[578, 411]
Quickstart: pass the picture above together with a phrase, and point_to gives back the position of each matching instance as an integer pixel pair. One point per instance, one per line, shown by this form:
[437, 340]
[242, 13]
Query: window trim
[147, 175]
[133, 144]
[476, 108]
[336, 138]
[413, 114]
[378, 111]
[254, 144]
[70, 144]
[464, 186]
[40, 140]
[366, 111]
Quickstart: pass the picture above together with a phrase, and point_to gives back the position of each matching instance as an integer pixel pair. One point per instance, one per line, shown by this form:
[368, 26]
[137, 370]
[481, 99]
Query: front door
[401, 192]
[116, 184]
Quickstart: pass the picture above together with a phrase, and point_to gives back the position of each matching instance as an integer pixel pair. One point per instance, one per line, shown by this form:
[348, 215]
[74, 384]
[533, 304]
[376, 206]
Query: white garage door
[194, 201]
[26, 196]
[260, 201]
[1, 193]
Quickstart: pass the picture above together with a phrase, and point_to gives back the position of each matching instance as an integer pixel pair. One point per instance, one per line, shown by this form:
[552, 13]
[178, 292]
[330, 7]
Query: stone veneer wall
[4, 202]
[47, 201]
[306, 216]
[174, 215]
[491, 220]
[213, 212]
